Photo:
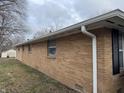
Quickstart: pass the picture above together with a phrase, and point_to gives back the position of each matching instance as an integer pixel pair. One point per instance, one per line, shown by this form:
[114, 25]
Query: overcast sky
[44, 13]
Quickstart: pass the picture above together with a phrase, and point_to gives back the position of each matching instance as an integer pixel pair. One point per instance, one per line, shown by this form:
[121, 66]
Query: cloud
[44, 13]
[38, 2]
[47, 14]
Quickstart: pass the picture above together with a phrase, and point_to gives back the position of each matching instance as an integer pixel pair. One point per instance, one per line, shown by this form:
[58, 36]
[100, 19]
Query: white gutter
[94, 56]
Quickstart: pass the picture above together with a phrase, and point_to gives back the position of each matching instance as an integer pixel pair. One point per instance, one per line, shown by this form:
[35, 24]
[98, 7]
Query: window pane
[121, 50]
[29, 47]
[51, 43]
[121, 59]
[120, 41]
[51, 47]
[52, 51]
[23, 48]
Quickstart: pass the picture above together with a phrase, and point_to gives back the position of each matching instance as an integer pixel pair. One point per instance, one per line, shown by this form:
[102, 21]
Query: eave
[112, 20]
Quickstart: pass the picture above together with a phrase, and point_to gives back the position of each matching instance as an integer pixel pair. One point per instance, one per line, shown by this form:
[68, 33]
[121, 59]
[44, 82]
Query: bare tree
[6, 44]
[17, 39]
[11, 21]
[46, 30]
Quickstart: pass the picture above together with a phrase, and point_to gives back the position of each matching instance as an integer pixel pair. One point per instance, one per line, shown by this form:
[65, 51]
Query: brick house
[87, 56]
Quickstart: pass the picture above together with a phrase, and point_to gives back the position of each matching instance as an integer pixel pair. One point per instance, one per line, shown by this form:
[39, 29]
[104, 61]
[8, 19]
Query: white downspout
[94, 56]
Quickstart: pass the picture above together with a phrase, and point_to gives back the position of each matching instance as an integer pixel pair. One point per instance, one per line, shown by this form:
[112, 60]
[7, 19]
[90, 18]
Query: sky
[62, 13]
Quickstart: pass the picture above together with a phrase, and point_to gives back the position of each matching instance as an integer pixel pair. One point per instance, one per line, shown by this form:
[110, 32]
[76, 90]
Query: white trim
[94, 56]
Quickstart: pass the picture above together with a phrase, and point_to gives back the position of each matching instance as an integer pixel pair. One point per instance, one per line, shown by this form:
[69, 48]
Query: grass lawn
[19, 78]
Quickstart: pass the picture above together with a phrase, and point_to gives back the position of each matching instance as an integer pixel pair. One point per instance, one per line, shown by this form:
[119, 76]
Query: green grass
[16, 77]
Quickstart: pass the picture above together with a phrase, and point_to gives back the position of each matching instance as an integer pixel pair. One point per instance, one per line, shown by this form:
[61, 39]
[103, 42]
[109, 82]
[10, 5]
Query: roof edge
[116, 12]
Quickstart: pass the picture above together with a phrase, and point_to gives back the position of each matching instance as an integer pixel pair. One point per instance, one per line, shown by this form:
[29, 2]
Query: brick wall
[72, 66]
[73, 63]
[107, 82]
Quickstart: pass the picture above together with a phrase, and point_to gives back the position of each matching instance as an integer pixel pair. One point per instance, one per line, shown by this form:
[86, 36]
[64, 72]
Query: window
[121, 50]
[117, 51]
[51, 48]
[29, 48]
[18, 49]
[23, 48]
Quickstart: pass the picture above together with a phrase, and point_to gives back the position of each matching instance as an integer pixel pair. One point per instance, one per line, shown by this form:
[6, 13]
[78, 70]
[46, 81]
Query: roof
[113, 19]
